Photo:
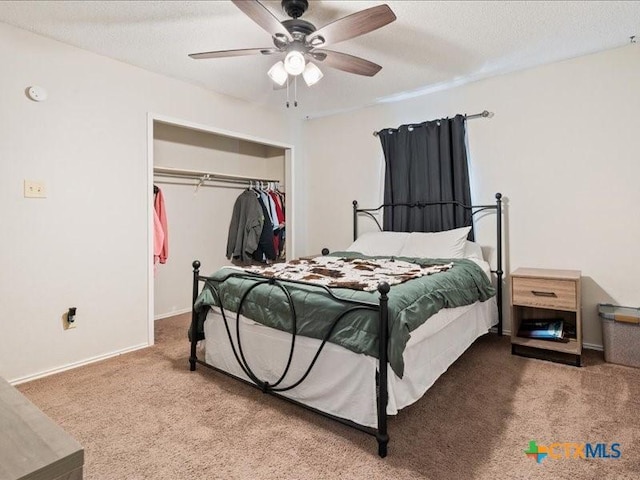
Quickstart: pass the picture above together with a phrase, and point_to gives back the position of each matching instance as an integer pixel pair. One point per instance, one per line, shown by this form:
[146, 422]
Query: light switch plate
[34, 189]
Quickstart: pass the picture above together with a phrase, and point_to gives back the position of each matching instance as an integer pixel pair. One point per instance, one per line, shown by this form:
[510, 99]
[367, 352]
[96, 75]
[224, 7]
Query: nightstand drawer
[543, 292]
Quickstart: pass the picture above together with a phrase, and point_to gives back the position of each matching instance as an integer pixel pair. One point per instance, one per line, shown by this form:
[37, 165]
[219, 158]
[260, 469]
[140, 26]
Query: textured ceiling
[431, 45]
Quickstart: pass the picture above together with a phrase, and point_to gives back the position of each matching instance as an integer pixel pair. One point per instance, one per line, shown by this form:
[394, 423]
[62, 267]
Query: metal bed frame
[380, 433]
[474, 209]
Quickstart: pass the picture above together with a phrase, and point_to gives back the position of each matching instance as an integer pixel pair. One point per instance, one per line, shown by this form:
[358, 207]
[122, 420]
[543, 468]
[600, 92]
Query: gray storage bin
[620, 334]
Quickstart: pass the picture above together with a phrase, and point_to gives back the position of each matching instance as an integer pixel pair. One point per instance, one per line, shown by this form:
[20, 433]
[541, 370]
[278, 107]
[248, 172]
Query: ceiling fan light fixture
[277, 73]
[294, 63]
[312, 74]
[317, 41]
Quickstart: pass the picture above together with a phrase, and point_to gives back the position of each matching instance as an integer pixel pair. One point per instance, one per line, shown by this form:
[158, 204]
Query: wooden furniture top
[550, 273]
[32, 446]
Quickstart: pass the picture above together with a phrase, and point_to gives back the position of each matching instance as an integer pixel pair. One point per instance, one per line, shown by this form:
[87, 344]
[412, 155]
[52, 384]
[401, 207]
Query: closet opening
[196, 174]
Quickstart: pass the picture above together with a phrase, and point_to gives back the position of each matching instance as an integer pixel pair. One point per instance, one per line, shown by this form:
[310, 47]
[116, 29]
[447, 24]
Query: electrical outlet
[66, 324]
[34, 189]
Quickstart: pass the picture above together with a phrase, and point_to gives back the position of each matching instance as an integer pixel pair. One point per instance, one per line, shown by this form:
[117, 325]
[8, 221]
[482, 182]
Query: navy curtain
[426, 163]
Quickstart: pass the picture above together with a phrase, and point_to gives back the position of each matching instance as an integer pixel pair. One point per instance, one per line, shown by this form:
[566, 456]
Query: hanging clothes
[256, 231]
[277, 220]
[281, 232]
[270, 208]
[266, 249]
[160, 228]
[278, 207]
[245, 229]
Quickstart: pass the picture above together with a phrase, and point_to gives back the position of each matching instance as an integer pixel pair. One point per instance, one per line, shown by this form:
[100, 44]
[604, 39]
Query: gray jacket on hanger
[245, 228]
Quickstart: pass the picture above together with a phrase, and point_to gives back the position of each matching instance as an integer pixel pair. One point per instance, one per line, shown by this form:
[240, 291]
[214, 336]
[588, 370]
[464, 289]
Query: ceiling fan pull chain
[287, 91]
[295, 91]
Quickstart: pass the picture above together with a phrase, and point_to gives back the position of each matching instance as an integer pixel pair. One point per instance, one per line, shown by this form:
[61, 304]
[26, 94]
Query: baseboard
[592, 346]
[505, 333]
[46, 373]
[171, 314]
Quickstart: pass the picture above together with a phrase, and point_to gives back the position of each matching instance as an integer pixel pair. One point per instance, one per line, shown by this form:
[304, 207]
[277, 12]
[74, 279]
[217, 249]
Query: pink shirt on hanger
[160, 230]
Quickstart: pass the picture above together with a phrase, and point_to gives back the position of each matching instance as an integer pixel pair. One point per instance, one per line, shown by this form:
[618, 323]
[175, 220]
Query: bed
[355, 346]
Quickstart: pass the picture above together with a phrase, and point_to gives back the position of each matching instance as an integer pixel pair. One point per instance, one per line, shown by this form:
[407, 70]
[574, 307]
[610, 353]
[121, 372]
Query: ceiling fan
[301, 42]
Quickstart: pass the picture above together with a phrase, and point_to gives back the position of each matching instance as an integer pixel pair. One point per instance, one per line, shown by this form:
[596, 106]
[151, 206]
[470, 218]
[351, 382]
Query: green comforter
[410, 305]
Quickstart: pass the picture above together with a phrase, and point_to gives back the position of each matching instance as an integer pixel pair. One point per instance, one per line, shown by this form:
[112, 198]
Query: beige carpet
[143, 415]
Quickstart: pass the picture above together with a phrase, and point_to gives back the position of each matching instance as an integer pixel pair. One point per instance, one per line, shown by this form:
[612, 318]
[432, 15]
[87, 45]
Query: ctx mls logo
[538, 453]
[570, 450]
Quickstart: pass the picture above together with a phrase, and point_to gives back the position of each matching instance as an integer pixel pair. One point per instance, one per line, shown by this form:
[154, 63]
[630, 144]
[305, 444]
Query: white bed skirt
[342, 383]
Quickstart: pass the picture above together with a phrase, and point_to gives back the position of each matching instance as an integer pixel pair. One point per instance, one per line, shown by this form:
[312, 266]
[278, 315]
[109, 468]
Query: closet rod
[202, 175]
[483, 114]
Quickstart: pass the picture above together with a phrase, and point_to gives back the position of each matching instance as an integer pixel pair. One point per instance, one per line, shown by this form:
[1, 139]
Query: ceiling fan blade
[233, 53]
[353, 25]
[263, 17]
[345, 62]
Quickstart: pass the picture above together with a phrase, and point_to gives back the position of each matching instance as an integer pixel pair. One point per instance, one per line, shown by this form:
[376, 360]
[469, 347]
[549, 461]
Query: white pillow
[379, 243]
[447, 244]
[473, 250]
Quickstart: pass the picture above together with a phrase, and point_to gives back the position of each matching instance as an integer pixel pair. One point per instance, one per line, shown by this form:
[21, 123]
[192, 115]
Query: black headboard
[474, 210]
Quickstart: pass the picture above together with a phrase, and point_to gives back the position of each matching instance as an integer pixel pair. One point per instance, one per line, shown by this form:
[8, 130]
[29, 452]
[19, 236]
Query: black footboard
[276, 388]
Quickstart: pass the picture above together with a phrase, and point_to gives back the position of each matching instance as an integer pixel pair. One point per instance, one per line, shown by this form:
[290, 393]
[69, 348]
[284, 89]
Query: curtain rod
[483, 114]
[204, 176]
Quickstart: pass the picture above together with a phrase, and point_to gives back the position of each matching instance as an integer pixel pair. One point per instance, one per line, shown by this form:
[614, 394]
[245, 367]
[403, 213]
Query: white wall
[86, 244]
[562, 147]
[198, 222]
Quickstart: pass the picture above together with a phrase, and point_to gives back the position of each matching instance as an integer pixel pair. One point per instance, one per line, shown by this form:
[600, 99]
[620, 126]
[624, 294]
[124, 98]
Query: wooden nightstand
[539, 294]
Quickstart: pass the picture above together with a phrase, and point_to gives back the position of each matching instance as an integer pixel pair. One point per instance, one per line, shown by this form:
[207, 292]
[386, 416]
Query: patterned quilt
[355, 273]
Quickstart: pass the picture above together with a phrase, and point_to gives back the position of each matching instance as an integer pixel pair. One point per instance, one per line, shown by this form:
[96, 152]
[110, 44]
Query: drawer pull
[538, 293]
